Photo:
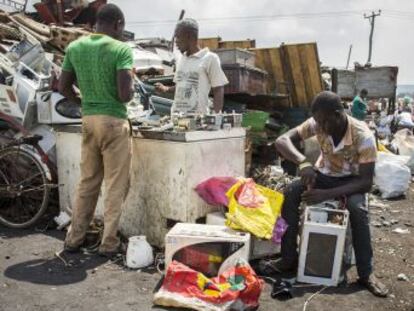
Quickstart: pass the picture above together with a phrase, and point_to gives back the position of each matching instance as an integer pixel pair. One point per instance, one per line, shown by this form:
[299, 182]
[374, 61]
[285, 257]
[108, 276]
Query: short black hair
[327, 102]
[109, 14]
[364, 91]
[190, 25]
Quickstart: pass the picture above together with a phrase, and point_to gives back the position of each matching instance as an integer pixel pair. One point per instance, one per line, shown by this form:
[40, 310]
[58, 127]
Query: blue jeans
[358, 212]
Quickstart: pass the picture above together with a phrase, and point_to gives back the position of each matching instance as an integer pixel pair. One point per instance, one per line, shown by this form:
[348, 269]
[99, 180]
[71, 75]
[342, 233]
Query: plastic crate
[255, 119]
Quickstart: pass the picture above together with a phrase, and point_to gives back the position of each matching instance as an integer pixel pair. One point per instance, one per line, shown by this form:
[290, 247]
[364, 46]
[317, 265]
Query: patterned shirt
[95, 60]
[356, 147]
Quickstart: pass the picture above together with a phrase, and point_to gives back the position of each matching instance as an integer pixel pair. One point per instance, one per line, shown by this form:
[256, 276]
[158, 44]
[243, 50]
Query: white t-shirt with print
[195, 76]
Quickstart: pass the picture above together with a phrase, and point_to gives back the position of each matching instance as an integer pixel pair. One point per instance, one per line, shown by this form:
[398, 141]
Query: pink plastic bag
[279, 230]
[214, 189]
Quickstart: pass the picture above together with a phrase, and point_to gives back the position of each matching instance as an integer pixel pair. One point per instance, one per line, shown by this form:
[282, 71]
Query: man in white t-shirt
[198, 71]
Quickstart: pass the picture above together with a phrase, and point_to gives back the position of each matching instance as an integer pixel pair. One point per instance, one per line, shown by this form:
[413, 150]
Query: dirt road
[33, 279]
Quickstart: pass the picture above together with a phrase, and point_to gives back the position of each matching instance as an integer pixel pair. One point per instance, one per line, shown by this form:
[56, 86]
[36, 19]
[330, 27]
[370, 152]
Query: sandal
[374, 286]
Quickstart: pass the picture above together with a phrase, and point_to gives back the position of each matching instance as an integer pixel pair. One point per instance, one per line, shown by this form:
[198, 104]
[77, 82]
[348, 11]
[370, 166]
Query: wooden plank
[305, 54]
[301, 69]
[269, 59]
[284, 56]
[294, 65]
[314, 69]
[211, 43]
[242, 44]
[262, 56]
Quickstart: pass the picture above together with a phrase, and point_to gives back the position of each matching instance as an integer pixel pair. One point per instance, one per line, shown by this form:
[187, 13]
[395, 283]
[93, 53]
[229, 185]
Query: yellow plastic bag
[260, 220]
[382, 148]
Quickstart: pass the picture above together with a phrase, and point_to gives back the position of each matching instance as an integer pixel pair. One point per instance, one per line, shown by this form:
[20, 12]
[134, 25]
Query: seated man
[344, 169]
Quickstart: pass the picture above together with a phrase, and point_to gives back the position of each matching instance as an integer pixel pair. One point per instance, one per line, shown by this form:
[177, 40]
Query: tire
[22, 207]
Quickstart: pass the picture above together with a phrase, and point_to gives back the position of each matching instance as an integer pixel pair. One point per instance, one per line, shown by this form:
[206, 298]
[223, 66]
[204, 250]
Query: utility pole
[349, 56]
[371, 19]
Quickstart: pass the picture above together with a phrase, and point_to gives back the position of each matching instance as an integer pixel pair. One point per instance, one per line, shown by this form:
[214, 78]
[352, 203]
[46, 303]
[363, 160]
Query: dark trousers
[358, 212]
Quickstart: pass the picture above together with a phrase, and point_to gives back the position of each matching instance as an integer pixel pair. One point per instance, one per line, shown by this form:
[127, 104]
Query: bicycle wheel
[24, 188]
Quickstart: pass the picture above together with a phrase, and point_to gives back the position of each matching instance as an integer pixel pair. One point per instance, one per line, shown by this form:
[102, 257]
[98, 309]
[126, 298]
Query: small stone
[401, 231]
[376, 224]
[53, 288]
[392, 296]
[408, 224]
[402, 277]
[49, 270]
[386, 223]
[394, 221]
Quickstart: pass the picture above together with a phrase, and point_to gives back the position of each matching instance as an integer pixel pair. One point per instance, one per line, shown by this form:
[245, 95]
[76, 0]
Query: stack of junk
[271, 87]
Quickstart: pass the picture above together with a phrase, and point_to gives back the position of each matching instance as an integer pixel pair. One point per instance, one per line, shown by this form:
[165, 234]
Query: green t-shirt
[359, 108]
[95, 60]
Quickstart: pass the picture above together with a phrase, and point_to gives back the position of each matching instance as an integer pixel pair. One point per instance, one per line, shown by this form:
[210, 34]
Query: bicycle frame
[15, 125]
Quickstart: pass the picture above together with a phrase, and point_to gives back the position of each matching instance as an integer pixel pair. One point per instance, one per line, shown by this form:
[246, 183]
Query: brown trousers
[106, 155]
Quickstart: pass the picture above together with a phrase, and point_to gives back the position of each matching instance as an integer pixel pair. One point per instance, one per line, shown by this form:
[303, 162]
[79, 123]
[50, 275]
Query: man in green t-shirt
[101, 66]
[359, 105]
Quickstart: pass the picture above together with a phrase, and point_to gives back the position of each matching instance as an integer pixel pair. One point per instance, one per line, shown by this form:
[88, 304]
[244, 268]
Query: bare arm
[66, 82]
[161, 88]
[218, 100]
[285, 146]
[124, 85]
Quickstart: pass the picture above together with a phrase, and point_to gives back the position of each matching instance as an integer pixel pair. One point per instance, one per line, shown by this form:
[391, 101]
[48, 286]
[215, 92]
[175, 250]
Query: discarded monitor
[322, 245]
[206, 248]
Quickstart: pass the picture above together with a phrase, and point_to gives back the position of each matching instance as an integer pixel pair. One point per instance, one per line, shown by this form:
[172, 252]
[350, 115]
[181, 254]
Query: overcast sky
[333, 24]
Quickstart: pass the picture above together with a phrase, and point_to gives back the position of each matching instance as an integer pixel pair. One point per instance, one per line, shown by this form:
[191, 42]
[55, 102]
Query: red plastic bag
[214, 189]
[238, 288]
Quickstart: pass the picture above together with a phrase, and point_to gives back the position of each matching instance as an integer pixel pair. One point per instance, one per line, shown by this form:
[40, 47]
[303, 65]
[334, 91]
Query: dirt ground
[33, 279]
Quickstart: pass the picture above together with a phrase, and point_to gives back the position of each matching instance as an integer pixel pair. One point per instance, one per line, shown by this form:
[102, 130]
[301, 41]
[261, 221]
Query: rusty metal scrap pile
[16, 27]
[266, 176]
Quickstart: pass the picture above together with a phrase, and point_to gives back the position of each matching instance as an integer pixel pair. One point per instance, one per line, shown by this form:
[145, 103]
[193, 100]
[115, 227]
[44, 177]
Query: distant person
[359, 105]
[198, 71]
[101, 65]
[405, 118]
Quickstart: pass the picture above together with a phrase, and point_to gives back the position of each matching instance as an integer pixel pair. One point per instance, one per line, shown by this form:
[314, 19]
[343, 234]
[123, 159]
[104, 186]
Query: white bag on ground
[392, 175]
[404, 141]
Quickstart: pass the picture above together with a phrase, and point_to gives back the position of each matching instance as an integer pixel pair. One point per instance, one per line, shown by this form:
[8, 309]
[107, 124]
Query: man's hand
[314, 196]
[308, 176]
[161, 88]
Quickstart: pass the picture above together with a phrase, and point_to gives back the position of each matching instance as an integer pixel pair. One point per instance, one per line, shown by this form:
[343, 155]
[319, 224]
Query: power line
[255, 18]
[393, 14]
